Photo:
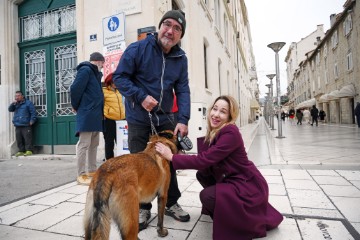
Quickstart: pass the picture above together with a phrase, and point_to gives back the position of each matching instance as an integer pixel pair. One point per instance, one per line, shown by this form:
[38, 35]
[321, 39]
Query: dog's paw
[162, 232]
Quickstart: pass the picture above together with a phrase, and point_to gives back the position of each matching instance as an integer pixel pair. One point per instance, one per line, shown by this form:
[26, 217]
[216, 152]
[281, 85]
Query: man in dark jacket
[357, 113]
[315, 115]
[24, 118]
[148, 73]
[87, 100]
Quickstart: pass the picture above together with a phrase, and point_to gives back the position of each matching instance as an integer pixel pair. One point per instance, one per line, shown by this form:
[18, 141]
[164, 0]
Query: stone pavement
[313, 175]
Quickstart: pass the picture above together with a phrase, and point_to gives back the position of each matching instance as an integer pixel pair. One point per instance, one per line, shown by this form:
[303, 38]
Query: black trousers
[24, 138]
[138, 136]
[109, 137]
[314, 119]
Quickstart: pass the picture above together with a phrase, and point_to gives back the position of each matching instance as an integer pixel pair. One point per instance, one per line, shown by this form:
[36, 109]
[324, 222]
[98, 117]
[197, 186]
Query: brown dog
[121, 183]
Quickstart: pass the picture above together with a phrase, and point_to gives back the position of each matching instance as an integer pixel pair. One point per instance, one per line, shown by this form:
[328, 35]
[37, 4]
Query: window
[205, 66]
[325, 71]
[349, 61]
[334, 39]
[347, 25]
[217, 14]
[219, 76]
[319, 82]
[325, 50]
[336, 71]
[226, 31]
[317, 59]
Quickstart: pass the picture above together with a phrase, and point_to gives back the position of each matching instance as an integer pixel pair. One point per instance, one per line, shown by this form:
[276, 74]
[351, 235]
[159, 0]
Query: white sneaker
[144, 216]
[177, 213]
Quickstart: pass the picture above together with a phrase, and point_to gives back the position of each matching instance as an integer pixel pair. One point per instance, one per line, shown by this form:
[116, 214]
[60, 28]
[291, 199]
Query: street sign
[114, 29]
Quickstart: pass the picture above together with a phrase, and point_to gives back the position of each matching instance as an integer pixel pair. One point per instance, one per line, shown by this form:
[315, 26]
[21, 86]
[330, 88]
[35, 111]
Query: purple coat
[242, 210]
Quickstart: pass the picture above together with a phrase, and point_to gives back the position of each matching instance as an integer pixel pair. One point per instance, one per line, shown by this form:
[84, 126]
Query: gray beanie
[96, 56]
[177, 15]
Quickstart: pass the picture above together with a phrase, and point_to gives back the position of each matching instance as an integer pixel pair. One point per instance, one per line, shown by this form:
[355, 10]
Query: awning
[347, 91]
[324, 98]
[334, 95]
[307, 103]
[254, 104]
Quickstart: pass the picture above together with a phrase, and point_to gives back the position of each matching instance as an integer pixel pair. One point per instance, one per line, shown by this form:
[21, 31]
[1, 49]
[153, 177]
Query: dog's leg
[162, 198]
[124, 208]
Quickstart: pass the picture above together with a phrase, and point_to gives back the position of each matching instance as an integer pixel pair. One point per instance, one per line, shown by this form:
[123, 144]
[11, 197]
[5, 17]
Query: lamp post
[276, 47]
[271, 76]
[268, 104]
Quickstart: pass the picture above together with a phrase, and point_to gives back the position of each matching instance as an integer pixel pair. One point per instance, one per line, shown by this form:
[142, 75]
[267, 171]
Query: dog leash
[153, 129]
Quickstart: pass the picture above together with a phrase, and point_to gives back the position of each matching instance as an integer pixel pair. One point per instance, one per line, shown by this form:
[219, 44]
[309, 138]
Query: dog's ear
[166, 134]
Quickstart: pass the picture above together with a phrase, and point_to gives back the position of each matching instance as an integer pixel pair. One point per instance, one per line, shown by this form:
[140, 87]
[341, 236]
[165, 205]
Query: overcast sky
[284, 21]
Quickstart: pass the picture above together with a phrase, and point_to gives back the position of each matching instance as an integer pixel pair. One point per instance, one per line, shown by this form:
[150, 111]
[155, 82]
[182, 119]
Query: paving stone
[202, 230]
[317, 212]
[295, 174]
[323, 229]
[330, 180]
[14, 233]
[350, 175]
[190, 199]
[356, 225]
[356, 184]
[281, 203]
[205, 218]
[277, 189]
[77, 189]
[287, 230]
[53, 199]
[50, 216]
[309, 199]
[79, 198]
[323, 173]
[20, 212]
[349, 207]
[274, 179]
[270, 172]
[195, 187]
[343, 191]
[301, 184]
[71, 226]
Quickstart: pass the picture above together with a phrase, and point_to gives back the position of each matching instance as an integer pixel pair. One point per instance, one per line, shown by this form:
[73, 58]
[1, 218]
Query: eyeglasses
[167, 25]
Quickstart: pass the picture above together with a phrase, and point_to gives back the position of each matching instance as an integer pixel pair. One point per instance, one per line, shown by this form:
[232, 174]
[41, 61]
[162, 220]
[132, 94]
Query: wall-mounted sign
[93, 37]
[114, 29]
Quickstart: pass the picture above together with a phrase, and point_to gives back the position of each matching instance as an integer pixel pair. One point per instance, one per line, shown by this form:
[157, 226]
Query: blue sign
[113, 24]
[114, 29]
[93, 37]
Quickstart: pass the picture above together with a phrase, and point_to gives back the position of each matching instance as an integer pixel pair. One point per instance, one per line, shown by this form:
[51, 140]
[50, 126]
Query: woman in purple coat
[235, 194]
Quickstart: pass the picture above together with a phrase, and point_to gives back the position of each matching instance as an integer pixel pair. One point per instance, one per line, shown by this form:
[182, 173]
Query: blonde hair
[233, 115]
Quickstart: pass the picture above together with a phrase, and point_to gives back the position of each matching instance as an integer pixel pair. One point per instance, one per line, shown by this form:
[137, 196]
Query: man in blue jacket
[24, 118]
[87, 100]
[148, 73]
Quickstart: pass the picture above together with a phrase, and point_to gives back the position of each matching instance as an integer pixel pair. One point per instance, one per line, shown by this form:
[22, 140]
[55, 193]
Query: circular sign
[113, 24]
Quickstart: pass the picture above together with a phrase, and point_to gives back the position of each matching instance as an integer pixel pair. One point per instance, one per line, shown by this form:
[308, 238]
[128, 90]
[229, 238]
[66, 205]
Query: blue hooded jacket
[87, 98]
[144, 69]
[24, 113]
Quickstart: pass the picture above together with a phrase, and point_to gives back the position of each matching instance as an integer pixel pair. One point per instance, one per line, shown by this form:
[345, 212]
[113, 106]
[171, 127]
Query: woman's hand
[164, 151]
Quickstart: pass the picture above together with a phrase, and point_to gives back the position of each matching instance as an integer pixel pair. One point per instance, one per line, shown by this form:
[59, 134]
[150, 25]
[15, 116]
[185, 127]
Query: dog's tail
[97, 215]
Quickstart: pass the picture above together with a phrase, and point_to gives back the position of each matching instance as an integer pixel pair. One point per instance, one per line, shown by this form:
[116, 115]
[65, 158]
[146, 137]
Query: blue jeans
[138, 137]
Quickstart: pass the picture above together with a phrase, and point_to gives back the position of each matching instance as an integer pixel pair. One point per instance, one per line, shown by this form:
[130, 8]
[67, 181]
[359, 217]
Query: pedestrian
[23, 120]
[299, 116]
[306, 114]
[292, 116]
[149, 71]
[314, 114]
[357, 113]
[235, 193]
[322, 115]
[87, 100]
[113, 111]
[283, 115]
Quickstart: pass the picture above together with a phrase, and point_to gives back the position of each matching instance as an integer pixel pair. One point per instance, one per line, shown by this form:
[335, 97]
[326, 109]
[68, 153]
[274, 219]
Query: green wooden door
[47, 72]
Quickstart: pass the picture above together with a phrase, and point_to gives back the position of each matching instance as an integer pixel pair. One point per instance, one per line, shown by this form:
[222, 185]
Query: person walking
[87, 100]
[315, 115]
[23, 120]
[322, 115]
[357, 113]
[113, 111]
[292, 116]
[306, 115]
[235, 194]
[299, 116]
[149, 71]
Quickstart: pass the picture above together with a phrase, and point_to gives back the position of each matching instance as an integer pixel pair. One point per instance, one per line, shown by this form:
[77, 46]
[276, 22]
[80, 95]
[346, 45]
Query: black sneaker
[144, 216]
[177, 213]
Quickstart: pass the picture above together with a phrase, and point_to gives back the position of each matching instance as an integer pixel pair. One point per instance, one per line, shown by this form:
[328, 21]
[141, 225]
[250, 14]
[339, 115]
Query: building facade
[43, 41]
[330, 76]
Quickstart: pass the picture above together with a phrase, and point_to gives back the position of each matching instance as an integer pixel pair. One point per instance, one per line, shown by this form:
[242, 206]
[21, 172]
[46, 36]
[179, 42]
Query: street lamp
[269, 104]
[271, 76]
[276, 47]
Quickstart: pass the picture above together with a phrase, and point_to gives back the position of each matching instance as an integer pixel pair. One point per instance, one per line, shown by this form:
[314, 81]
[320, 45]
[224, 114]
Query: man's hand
[149, 103]
[182, 128]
